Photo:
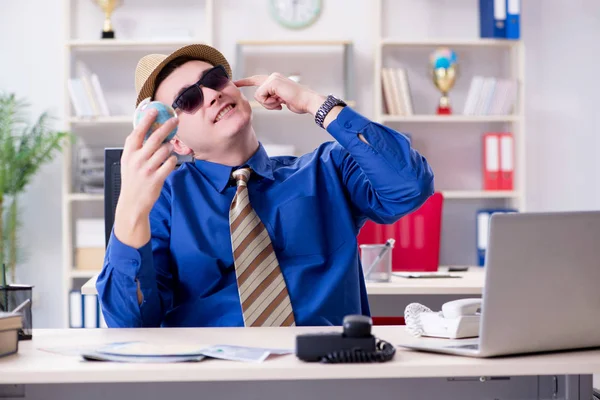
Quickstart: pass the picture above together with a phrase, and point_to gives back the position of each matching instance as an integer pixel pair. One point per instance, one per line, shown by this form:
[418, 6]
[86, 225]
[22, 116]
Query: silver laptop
[541, 290]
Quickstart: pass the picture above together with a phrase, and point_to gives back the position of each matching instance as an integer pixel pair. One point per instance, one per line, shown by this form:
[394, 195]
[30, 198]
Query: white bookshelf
[117, 119]
[397, 49]
[123, 44]
[82, 42]
[473, 43]
[446, 119]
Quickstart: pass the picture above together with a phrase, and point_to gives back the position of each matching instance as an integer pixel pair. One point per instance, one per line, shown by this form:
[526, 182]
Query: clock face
[296, 13]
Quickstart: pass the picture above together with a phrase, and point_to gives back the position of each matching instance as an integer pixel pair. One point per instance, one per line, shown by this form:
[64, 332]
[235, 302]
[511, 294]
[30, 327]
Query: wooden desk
[50, 375]
[469, 283]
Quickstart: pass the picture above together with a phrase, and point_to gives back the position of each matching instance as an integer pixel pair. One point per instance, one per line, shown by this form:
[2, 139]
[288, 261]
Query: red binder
[507, 168]
[417, 236]
[491, 161]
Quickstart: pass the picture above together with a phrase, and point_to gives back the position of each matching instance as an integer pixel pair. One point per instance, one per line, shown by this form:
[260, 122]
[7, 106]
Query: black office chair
[112, 185]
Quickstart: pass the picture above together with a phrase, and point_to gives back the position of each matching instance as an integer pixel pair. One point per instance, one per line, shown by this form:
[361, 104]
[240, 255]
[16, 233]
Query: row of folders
[85, 311]
[500, 19]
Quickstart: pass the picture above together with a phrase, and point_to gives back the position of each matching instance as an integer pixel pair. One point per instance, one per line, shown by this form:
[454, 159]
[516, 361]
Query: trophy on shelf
[108, 6]
[444, 70]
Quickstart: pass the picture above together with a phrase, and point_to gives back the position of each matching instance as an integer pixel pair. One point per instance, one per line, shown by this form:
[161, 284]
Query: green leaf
[24, 148]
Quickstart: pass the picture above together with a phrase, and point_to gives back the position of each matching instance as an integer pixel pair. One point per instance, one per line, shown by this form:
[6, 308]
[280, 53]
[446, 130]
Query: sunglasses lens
[190, 99]
[216, 79]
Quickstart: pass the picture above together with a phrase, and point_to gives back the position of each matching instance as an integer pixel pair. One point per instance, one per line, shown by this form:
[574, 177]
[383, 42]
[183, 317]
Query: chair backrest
[417, 236]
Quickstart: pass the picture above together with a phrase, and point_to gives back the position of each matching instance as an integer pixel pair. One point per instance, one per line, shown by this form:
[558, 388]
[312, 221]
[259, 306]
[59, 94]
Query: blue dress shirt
[313, 207]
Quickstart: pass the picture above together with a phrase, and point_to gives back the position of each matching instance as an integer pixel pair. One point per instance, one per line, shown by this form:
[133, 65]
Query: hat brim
[200, 52]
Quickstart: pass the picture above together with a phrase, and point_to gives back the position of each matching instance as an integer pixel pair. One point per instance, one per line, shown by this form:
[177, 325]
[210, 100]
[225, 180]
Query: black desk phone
[355, 344]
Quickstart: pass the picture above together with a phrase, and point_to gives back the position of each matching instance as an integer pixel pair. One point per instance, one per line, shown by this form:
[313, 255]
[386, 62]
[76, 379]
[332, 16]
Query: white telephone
[458, 319]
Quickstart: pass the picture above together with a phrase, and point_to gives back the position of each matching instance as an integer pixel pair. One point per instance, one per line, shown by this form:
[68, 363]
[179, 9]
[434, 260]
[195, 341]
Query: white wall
[31, 65]
[561, 95]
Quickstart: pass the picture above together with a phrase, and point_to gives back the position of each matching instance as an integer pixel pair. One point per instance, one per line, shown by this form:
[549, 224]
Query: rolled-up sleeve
[149, 267]
[385, 178]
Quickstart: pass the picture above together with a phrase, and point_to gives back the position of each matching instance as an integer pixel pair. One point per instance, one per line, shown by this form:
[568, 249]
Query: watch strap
[330, 102]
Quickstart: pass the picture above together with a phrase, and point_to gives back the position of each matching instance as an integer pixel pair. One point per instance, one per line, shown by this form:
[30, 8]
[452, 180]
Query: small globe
[165, 113]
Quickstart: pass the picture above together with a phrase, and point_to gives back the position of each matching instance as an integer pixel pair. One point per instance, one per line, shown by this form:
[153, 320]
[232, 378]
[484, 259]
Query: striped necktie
[263, 293]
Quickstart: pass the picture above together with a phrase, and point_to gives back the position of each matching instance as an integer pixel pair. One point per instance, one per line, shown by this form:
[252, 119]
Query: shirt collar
[218, 174]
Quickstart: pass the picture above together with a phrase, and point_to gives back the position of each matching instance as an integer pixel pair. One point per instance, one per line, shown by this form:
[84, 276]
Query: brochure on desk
[143, 352]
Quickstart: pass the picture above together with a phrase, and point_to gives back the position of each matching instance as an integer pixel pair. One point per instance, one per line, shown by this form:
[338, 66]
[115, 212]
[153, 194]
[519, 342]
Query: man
[236, 238]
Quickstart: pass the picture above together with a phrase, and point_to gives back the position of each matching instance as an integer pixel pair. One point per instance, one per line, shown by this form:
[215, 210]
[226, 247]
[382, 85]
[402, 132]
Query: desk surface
[469, 283]
[35, 364]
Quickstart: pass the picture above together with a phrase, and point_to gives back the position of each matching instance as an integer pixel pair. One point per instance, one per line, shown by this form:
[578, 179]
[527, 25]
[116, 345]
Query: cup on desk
[376, 262]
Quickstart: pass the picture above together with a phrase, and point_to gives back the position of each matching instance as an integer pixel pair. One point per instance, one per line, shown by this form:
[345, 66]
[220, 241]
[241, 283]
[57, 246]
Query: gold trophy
[108, 6]
[444, 71]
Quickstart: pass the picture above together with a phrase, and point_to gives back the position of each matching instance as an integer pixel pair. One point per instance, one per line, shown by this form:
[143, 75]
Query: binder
[482, 230]
[75, 309]
[492, 19]
[513, 19]
[491, 161]
[84, 311]
[91, 311]
[506, 161]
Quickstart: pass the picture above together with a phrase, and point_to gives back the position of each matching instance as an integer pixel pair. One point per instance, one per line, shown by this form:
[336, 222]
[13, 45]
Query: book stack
[86, 94]
[491, 96]
[9, 333]
[396, 91]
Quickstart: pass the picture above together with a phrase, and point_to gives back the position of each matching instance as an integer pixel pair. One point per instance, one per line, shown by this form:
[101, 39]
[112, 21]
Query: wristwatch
[330, 102]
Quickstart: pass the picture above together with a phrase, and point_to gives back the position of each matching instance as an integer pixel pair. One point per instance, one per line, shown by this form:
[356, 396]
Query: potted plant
[24, 148]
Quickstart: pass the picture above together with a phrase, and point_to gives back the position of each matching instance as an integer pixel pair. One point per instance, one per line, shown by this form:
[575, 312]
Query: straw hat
[150, 66]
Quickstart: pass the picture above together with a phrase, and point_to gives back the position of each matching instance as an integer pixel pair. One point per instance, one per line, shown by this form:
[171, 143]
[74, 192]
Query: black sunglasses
[192, 98]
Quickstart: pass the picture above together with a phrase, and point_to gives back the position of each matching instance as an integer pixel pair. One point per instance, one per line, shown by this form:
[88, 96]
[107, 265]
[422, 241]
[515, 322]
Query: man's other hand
[275, 90]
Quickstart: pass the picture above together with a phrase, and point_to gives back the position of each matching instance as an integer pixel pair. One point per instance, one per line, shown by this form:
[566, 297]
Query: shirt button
[348, 125]
[135, 263]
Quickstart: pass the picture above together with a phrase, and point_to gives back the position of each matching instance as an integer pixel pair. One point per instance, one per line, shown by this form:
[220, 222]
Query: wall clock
[296, 14]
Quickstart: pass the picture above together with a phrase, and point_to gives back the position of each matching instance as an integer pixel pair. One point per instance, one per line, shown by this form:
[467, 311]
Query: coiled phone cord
[385, 352]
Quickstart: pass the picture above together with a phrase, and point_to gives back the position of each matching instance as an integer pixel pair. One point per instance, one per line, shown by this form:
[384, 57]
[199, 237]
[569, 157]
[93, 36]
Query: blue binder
[482, 230]
[492, 19]
[513, 19]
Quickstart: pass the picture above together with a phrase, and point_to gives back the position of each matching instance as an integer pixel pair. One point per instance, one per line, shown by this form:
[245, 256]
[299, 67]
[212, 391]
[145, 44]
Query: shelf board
[294, 42]
[479, 194]
[450, 42]
[90, 121]
[84, 273]
[120, 44]
[85, 197]
[449, 118]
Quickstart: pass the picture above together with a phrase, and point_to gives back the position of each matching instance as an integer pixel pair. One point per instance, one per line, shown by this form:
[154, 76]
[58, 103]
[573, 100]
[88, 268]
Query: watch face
[296, 13]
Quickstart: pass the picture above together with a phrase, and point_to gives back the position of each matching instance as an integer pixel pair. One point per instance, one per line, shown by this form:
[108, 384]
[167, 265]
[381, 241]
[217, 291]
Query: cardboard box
[89, 258]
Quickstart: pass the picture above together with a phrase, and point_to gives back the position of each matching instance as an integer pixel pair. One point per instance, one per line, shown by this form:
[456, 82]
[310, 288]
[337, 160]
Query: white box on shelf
[89, 233]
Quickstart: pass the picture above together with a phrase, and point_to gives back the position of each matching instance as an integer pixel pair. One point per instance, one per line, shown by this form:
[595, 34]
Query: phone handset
[457, 319]
[355, 344]
[456, 308]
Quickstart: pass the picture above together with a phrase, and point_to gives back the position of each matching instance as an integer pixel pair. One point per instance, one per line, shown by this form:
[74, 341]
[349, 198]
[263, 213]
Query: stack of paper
[143, 352]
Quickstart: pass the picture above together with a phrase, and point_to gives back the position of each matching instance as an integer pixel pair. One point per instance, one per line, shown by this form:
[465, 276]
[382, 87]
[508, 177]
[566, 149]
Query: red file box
[417, 235]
